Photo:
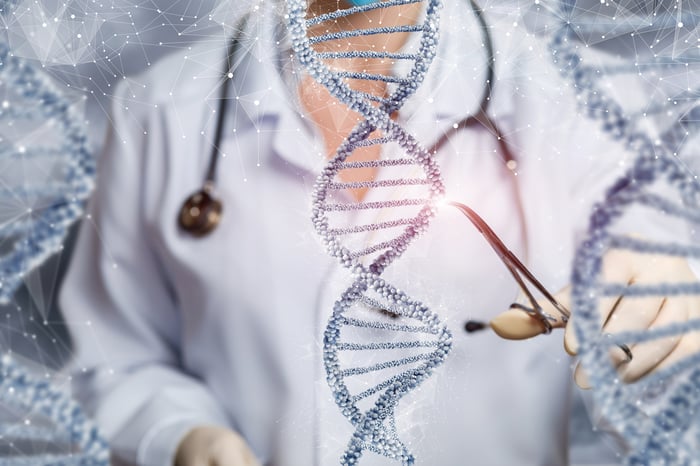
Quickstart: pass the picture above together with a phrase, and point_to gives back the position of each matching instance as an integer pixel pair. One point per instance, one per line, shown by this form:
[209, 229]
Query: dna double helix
[38, 416]
[46, 168]
[46, 175]
[659, 416]
[398, 340]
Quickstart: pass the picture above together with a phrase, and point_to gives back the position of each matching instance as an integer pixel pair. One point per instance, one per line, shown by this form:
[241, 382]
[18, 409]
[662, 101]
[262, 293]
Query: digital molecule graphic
[633, 66]
[658, 416]
[363, 318]
[47, 175]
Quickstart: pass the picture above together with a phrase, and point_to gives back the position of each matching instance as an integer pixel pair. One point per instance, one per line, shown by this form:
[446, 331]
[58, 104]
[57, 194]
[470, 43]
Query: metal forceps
[516, 268]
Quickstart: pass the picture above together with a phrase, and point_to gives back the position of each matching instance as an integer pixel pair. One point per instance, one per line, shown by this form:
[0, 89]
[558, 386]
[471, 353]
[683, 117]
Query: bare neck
[332, 118]
[380, 17]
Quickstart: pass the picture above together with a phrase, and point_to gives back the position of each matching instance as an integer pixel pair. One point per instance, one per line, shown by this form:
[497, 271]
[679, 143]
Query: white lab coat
[171, 332]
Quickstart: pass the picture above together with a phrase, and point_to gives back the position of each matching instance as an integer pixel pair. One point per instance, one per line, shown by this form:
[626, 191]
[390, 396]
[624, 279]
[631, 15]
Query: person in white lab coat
[208, 351]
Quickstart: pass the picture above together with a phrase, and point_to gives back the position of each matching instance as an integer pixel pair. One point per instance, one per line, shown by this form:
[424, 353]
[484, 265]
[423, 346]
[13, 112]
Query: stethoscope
[201, 211]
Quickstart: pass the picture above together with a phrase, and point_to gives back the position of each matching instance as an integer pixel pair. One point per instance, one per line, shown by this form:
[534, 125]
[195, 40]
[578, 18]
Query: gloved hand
[624, 314]
[214, 446]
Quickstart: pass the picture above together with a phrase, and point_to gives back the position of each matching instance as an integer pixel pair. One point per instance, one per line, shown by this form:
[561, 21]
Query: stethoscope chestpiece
[200, 213]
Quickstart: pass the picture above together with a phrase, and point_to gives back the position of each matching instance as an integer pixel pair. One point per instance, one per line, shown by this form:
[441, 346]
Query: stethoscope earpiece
[200, 213]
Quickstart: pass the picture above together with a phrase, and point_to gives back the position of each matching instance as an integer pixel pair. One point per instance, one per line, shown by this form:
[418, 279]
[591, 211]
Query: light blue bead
[41, 232]
[362, 2]
[32, 239]
[26, 395]
[670, 434]
[417, 327]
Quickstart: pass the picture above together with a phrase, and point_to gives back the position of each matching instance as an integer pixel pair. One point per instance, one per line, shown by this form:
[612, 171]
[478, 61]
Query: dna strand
[46, 175]
[659, 183]
[44, 415]
[399, 336]
[47, 169]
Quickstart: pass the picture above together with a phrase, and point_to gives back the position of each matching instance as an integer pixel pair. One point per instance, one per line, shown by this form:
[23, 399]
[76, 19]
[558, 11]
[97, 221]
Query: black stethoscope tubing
[201, 211]
[481, 117]
[207, 209]
[221, 117]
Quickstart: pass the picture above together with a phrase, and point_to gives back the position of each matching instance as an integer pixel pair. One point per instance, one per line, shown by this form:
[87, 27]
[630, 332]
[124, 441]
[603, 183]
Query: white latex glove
[625, 313]
[214, 446]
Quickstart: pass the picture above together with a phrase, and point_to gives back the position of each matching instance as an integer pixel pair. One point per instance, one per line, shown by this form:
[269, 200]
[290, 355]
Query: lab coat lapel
[261, 94]
[448, 94]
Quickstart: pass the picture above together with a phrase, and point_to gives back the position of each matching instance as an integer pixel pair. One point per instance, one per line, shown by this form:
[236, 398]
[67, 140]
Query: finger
[632, 314]
[197, 459]
[232, 453]
[570, 340]
[689, 343]
[606, 307]
[618, 267]
[581, 377]
[518, 325]
[250, 459]
[649, 355]
[235, 459]
[654, 355]
[515, 324]
[687, 346]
